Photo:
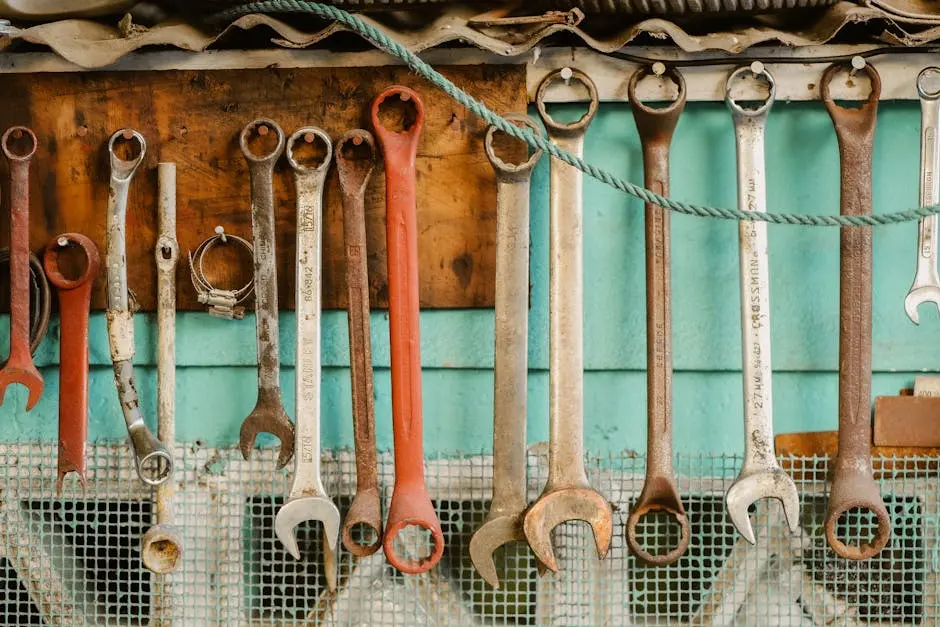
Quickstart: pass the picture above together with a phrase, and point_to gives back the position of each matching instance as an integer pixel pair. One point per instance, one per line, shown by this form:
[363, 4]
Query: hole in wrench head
[261, 140]
[658, 92]
[364, 535]
[155, 467]
[19, 143]
[72, 262]
[658, 532]
[356, 149]
[574, 91]
[508, 149]
[309, 151]
[398, 114]
[851, 89]
[126, 147]
[749, 91]
[857, 527]
[414, 543]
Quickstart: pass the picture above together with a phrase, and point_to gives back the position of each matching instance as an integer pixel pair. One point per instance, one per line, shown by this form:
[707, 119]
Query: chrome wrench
[154, 463]
[503, 522]
[567, 495]
[926, 286]
[161, 547]
[761, 476]
[308, 499]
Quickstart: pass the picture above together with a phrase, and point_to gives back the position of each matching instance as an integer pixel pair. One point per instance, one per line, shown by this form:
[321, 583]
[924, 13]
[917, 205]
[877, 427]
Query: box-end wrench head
[308, 500]
[355, 160]
[503, 522]
[20, 368]
[268, 415]
[74, 307]
[660, 494]
[411, 505]
[567, 495]
[761, 477]
[926, 286]
[853, 485]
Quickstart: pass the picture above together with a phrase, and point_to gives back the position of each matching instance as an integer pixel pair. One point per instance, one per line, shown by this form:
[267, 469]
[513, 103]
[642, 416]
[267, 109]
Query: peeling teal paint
[216, 375]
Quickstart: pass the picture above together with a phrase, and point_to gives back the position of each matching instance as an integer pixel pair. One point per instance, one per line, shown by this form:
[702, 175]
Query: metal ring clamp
[221, 303]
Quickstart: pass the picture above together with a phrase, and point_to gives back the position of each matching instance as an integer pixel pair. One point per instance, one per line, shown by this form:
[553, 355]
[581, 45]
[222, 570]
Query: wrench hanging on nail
[660, 494]
[355, 159]
[74, 307]
[161, 547]
[761, 476]
[19, 368]
[411, 505]
[503, 522]
[268, 415]
[853, 485]
[153, 462]
[308, 499]
[567, 495]
[926, 286]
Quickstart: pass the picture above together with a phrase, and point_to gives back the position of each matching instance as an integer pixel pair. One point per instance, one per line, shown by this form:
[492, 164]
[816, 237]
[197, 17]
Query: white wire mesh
[75, 559]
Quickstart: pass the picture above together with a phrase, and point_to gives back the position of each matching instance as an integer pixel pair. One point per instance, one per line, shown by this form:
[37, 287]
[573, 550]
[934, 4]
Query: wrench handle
[929, 183]
[354, 177]
[19, 261]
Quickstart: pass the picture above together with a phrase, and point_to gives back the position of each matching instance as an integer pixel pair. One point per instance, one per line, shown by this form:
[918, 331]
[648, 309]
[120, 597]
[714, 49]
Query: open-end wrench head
[762, 484]
[562, 505]
[161, 549]
[8, 150]
[916, 297]
[268, 416]
[366, 510]
[26, 375]
[492, 534]
[302, 509]
[659, 495]
[411, 507]
[857, 490]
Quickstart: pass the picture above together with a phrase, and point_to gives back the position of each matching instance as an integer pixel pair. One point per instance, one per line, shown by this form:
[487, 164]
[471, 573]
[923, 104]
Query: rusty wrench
[308, 499]
[853, 485]
[19, 367]
[153, 462]
[411, 505]
[926, 286]
[503, 522]
[355, 159]
[74, 307]
[568, 494]
[761, 476]
[161, 547]
[268, 414]
[660, 494]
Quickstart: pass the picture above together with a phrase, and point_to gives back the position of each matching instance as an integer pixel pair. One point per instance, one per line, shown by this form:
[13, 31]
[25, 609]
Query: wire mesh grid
[75, 559]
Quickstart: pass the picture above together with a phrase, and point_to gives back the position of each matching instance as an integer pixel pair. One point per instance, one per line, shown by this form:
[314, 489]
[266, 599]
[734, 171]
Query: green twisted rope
[392, 47]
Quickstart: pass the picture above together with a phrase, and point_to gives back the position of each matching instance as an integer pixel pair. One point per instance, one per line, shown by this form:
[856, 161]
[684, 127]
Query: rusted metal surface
[567, 495]
[503, 522]
[355, 159]
[19, 368]
[161, 547]
[760, 476]
[660, 494]
[853, 486]
[926, 286]
[40, 299]
[268, 415]
[308, 500]
[411, 506]
[907, 421]
[74, 308]
[153, 462]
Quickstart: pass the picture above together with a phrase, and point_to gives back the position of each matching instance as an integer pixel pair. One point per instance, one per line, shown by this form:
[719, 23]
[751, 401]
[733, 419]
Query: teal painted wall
[216, 374]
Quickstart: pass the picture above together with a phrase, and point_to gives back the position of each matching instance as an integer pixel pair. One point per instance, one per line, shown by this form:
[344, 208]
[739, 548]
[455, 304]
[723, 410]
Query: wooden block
[194, 117]
[907, 421]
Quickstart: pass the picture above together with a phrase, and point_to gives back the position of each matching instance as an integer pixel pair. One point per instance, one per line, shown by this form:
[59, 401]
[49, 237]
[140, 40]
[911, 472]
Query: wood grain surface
[193, 118]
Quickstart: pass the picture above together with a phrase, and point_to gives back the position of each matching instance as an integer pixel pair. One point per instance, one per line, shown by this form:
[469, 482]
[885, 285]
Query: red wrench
[19, 367]
[411, 505]
[74, 305]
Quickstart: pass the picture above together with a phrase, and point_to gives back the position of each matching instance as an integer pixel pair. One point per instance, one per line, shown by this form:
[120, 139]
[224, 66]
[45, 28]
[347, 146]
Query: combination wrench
[660, 494]
[161, 547]
[411, 505]
[568, 494]
[355, 159]
[853, 485]
[308, 499]
[503, 522]
[268, 415]
[74, 308]
[926, 286]
[153, 462]
[761, 476]
[20, 368]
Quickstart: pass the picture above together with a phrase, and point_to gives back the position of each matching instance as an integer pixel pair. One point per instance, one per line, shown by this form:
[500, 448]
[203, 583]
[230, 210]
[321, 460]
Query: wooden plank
[194, 118]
